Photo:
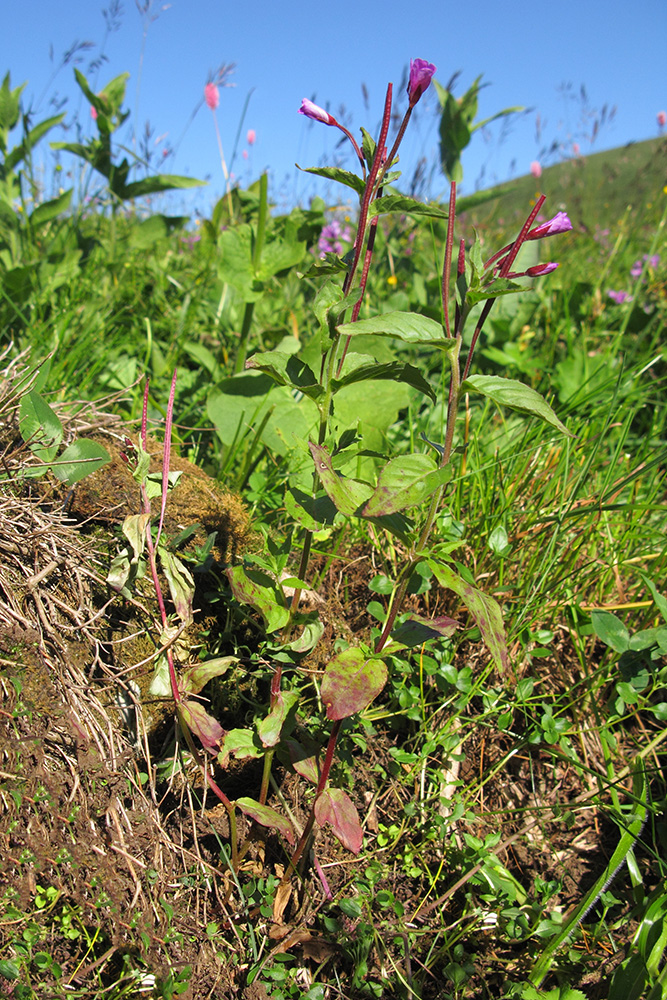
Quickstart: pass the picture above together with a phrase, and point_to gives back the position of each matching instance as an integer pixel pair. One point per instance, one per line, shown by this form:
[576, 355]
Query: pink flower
[211, 96]
[93, 113]
[619, 297]
[421, 73]
[662, 118]
[540, 269]
[250, 137]
[575, 149]
[536, 169]
[559, 224]
[244, 154]
[318, 114]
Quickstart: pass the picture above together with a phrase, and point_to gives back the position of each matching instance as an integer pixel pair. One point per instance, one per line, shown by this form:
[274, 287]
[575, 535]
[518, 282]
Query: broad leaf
[394, 371]
[79, 459]
[286, 369]
[347, 494]
[311, 513]
[134, 529]
[39, 425]
[417, 629]
[50, 209]
[160, 182]
[405, 482]
[241, 744]
[351, 681]
[483, 608]
[193, 679]
[266, 816]
[611, 630]
[515, 395]
[270, 728]
[337, 174]
[407, 206]
[335, 808]
[409, 327]
[259, 591]
[181, 583]
[193, 715]
[304, 760]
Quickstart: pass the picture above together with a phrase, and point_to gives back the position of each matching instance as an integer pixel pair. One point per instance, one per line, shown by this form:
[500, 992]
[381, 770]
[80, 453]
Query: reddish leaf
[335, 808]
[417, 629]
[304, 760]
[266, 816]
[351, 682]
[203, 725]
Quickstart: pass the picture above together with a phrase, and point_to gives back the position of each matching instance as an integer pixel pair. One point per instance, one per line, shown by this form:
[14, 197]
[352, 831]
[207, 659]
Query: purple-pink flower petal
[313, 111]
[559, 224]
[211, 96]
[540, 269]
[421, 73]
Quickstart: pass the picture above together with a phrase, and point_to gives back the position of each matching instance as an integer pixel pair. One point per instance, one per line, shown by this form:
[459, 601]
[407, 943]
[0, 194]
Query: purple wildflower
[619, 297]
[331, 236]
[539, 269]
[559, 224]
[421, 73]
[318, 114]
[636, 269]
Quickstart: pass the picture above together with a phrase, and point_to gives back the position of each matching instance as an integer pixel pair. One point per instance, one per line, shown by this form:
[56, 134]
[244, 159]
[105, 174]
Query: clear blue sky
[325, 51]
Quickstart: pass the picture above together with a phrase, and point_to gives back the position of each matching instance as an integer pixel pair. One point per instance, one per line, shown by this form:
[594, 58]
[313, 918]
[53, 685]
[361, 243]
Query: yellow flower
[392, 280]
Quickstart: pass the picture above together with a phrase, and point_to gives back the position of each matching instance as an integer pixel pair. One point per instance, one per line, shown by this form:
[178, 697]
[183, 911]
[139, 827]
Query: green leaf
[394, 371]
[515, 395]
[194, 678]
[241, 744]
[270, 728]
[257, 589]
[39, 425]
[304, 758]
[409, 327]
[236, 403]
[483, 608]
[286, 369]
[351, 681]
[181, 583]
[153, 185]
[407, 206]
[9, 969]
[347, 494]
[405, 482]
[266, 816]
[336, 174]
[311, 513]
[50, 209]
[611, 630]
[79, 459]
[334, 807]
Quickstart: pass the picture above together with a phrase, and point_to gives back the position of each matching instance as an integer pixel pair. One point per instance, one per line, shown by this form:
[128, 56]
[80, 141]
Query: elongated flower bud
[318, 114]
[559, 224]
[211, 96]
[540, 269]
[421, 73]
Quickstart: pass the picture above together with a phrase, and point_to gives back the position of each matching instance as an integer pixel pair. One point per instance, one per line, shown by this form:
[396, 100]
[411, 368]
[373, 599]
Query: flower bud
[211, 96]
[540, 269]
[421, 73]
[318, 114]
[559, 224]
